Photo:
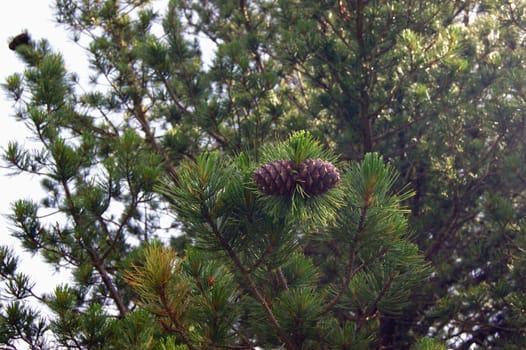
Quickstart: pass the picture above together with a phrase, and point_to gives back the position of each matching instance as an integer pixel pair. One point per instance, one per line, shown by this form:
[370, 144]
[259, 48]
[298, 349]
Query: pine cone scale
[318, 176]
[275, 178]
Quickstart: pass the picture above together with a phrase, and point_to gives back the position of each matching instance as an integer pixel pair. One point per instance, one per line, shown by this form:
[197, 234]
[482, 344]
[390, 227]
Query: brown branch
[96, 261]
[455, 221]
[365, 119]
[515, 19]
[282, 279]
[138, 109]
[249, 28]
[251, 285]
[179, 329]
[350, 271]
[216, 134]
[382, 293]
[120, 230]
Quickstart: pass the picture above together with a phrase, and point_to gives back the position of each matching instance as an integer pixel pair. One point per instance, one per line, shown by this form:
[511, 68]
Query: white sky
[35, 16]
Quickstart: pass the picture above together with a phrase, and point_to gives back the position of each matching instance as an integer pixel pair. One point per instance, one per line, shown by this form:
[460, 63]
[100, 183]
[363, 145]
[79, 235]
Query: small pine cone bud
[317, 176]
[276, 178]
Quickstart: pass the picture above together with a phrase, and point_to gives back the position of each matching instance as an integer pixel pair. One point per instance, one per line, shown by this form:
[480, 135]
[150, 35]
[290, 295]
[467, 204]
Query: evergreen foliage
[396, 129]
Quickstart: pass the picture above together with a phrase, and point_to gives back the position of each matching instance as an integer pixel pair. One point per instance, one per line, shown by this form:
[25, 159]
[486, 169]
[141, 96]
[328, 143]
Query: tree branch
[251, 285]
[97, 262]
[349, 271]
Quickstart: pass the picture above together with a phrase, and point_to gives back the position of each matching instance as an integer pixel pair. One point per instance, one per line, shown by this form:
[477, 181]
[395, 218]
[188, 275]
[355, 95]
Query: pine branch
[282, 279]
[138, 109]
[249, 28]
[251, 285]
[96, 261]
[179, 329]
[350, 272]
[387, 285]
[127, 215]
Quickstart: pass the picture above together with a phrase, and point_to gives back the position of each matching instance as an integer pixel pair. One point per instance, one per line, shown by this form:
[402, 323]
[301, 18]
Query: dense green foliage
[419, 104]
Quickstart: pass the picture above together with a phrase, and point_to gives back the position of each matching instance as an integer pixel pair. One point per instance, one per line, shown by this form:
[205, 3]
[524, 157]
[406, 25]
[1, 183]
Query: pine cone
[317, 176]
[279, 178]
[20, 39]
[276, 178]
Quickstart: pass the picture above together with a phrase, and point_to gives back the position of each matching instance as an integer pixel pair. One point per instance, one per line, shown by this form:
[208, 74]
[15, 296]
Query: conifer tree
[338, 174]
